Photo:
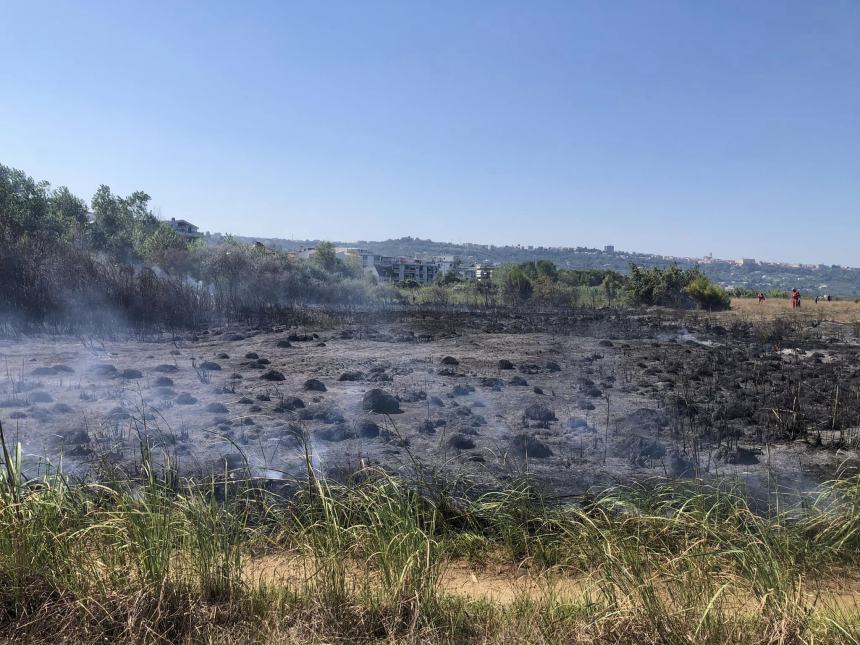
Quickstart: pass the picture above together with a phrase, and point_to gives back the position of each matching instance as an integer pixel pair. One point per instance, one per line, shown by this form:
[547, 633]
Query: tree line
[65, 265]
[543, 283]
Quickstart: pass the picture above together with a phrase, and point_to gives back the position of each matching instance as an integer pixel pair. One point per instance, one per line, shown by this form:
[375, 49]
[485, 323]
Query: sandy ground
[505, 583]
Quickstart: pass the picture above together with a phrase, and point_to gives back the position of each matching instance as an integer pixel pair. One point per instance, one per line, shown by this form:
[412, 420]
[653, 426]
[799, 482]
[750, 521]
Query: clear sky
[673, 127]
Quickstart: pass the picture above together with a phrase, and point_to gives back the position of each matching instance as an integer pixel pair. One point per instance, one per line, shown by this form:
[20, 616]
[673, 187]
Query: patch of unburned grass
[383, 558]
[842, 311]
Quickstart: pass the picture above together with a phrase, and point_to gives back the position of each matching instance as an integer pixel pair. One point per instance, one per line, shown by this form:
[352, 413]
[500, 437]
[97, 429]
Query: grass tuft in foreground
[161, 559]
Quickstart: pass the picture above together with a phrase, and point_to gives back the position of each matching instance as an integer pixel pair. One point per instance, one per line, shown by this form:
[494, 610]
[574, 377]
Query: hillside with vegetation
[814, 280]
[63, 264]
[59, 265]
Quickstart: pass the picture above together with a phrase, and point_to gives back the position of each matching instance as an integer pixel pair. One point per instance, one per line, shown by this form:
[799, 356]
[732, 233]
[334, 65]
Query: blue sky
[673, 127]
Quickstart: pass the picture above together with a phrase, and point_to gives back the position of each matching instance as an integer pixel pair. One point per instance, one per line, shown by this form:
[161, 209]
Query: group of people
[795, 298]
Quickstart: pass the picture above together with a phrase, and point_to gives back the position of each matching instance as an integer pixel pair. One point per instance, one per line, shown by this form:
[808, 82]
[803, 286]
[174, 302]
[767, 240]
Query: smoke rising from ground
[485, 402]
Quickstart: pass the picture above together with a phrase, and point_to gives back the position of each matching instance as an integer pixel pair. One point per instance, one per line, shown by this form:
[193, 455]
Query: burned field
[436, 478]
[577, 404]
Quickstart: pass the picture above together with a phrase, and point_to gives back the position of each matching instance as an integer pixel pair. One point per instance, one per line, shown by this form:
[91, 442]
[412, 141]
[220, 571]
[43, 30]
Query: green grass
[158, 558]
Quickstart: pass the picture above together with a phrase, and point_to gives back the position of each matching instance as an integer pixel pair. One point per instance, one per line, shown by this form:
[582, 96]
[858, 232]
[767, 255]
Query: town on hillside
[413, 259]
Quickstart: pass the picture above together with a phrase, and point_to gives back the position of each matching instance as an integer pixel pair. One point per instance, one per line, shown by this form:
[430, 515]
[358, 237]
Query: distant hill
[820, 279]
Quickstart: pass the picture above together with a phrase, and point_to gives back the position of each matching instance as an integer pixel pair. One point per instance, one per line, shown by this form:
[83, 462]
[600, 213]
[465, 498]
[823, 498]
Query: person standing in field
[795, 298]
[760, 297]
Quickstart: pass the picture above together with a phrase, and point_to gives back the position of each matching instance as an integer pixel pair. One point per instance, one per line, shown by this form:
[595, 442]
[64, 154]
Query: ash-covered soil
[577, 408]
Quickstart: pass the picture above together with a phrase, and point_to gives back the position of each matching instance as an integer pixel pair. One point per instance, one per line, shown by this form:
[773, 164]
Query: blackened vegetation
[773, 383]
[51, 284]
[124, 269]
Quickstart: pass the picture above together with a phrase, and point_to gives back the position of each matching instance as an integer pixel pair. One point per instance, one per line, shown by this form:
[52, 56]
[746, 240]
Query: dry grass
[842, 311]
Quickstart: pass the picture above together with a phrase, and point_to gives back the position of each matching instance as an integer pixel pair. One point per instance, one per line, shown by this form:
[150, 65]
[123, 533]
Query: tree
[111, 230]
[23, 205]
[325, 256]
[143, 222]
[585, 277]
[540, 269]
[674, 287]
[515, 284]
[612, 285]
[165, 248]
[69, 212]
[448, 278]
[555, 294]
[121, 225]
[655, 286]
[485, 290]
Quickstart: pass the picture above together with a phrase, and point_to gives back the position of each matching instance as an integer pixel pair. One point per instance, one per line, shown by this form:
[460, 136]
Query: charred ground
[577, 401]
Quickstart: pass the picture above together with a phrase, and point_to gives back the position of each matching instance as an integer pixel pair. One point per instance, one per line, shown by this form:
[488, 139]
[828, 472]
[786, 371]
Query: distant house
[184, 229]
[484, 271]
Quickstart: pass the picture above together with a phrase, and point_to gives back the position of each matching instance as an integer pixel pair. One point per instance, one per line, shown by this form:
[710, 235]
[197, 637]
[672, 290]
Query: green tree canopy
[325, 256]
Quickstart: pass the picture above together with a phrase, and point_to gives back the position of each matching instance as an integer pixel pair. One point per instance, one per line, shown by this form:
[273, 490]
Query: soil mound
[531, 447]
[461, 442]
[334, 434]
[380, 401]
[538, 412]
[272, 375]
[289, 404]
[368, 429]
[314, 385]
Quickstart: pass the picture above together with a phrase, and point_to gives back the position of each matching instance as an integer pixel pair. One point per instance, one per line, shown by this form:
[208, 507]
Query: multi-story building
[391, 269]
[447, 263]
[387, 268]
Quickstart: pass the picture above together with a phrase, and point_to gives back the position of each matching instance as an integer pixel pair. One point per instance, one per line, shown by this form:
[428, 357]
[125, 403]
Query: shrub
[675, 287]
[708, 295]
